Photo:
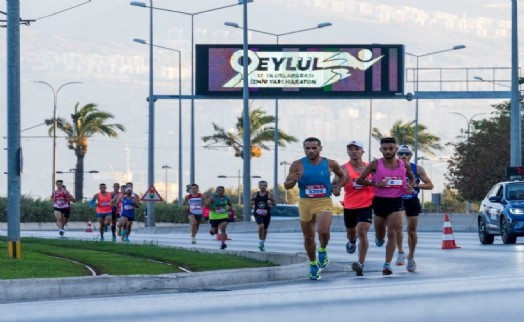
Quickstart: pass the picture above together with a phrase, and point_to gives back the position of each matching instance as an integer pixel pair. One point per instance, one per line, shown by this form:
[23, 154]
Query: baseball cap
[129, 189]
[355, 143]
[404, 149]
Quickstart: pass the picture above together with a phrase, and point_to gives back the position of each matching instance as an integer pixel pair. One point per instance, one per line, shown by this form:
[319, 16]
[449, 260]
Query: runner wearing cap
[412, 208]
[358, 213]
[127, 214]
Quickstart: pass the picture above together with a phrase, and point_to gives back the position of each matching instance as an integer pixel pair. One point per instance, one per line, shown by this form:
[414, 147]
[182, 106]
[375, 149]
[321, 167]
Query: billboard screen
[294, 71]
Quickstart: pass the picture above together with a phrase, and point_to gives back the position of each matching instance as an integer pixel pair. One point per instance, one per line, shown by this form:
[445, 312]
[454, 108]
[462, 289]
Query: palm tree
[261, 133]
[86, 122]
[404, 133]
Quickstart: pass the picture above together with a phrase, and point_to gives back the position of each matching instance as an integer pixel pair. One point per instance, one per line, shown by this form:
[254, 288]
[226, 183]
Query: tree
[261, 133]
[480, 162]
[404, 133]
[86, 122]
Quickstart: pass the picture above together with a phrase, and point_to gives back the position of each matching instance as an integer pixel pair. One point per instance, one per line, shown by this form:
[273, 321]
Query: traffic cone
[448, 241]
[89, 228]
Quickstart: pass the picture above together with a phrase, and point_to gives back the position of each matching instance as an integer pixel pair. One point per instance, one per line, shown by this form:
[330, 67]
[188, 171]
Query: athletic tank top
[355, 195]
[195, 204]
[218, 210]
[261, 204]
[415, 192]
[315, 181]
[104, 203]
[128, 208]
[395, 179]
[60, 199]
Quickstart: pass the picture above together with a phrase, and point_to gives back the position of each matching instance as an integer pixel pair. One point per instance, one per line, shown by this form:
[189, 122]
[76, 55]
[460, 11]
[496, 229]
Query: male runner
[261, 202]
[312, 173]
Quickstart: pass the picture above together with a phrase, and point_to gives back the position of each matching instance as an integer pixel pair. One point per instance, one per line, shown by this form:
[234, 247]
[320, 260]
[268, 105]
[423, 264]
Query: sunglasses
[404, 153]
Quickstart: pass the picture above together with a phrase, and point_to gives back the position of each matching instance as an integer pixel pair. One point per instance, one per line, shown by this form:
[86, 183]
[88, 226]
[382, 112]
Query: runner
[412, 208]
[119, 209]
[389, 180]
[61, 206]
[358, 213]
[312, 173]
[115, 212]
[218, 214]
[127, 215]
[261, 202]
[193, 203]
[103, 201]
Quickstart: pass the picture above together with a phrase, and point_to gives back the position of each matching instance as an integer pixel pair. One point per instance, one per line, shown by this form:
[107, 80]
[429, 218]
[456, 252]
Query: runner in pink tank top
[389, 180]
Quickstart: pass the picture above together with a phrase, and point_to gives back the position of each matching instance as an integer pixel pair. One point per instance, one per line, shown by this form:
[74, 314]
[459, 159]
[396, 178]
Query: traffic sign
[151, 195]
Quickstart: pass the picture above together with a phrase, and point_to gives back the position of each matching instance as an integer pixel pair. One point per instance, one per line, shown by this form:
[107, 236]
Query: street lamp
[468, 134]
[276, 134]
[180, 173]
[239, 176]
[55, 98]
[192, 14]
[167, 167]
[457, 47]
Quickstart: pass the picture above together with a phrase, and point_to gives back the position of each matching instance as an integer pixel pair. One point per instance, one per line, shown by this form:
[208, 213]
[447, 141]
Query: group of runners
[380, 192]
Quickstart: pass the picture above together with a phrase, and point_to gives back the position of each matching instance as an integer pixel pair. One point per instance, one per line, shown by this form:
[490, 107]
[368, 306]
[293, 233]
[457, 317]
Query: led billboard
[294, 71]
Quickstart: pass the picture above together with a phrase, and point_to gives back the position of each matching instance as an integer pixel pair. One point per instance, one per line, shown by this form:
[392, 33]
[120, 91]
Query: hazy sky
[93, 45]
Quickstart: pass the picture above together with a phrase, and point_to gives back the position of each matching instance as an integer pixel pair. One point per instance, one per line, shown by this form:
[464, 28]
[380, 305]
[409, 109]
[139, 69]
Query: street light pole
[55, 100]
[239, 176]
[167, 167]
[180, 172]
[276, 132]
[457, 47]
[468, 134]
[515, 114]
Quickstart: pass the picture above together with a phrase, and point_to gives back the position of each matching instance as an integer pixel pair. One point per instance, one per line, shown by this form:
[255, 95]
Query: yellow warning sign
[151, 195]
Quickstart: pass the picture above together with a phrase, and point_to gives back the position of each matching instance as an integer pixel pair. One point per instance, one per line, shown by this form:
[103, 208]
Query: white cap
[355, 143]
[405, 149]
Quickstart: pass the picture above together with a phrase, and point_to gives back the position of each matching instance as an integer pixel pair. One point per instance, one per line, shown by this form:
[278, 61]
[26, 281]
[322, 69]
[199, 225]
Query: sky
[92, 44]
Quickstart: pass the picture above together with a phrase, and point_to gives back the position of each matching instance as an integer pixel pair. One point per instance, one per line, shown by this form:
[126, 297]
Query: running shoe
[323, 260]
[387, 270]
[412, 266]
[113, 238]
[401, 259]
[106, 228]
[223, 246]
[61, 233]
[314, 272]
[351, 247]
[379, 242]
[358, 268]
[211, 232]
[193, 241]
[126, 239]
[102, 238]
[261, 247]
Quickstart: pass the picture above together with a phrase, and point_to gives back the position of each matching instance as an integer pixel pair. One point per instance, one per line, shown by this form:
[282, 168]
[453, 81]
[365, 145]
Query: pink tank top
[395, 179]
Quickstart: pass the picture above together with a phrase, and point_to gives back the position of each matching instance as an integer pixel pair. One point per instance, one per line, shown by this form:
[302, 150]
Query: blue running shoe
[323, 260]
[387, 270]
[358, 268]
[379, 242]
[314, 272]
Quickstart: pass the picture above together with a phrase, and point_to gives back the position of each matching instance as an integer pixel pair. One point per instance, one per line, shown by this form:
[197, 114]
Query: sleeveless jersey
[60, 199]
[218, 210]
[104, 203]
[415, 192]
[261, 204]
[195, 204]
[355, 195]
[315, 181]
[128, 208]
[395, 180]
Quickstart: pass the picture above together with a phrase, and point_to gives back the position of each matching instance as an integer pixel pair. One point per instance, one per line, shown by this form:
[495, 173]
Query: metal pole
[246, 121]
[239, 176]
[515, 115]
[275, 139]
[416, 117]
[14, 150]
[180, 172]
[370, 128]
[192, 121]
[151, 136]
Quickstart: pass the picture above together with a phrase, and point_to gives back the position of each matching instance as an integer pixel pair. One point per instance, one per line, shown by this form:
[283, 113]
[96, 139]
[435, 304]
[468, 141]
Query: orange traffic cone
[89, 228]
[448, 241]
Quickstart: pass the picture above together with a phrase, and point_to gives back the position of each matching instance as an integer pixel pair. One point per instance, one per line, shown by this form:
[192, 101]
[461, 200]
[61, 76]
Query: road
[472, 283]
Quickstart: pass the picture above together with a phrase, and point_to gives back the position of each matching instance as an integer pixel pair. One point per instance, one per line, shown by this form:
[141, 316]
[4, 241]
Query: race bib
[357, 186]
[261, 212]
[393, 182]
[129, 207]
[315, 191]
[220, 210]
[105, 204]
[60, 201]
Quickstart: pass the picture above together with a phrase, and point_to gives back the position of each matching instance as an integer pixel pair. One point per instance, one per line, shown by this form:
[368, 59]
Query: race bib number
[393, 182]
[357, 186]
[105, 204]
[221, 210]
[261, 212]
[315, 191]
[129, 207]
[60, 201]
